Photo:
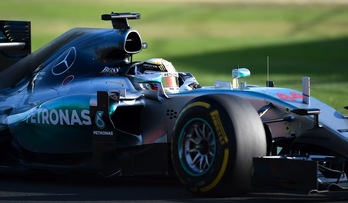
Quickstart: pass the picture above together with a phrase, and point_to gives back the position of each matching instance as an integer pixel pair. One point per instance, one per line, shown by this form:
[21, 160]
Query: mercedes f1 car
[76, 104]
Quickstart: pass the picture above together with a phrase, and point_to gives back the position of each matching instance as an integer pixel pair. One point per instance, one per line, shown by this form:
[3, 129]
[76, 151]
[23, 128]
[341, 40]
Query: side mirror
[239, 73]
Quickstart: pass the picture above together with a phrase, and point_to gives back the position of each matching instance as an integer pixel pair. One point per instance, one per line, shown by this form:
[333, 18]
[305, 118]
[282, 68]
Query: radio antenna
[267, 68]
[268, 82]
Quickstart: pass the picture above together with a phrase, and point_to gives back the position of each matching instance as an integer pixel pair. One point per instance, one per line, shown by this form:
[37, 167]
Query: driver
[155, 71]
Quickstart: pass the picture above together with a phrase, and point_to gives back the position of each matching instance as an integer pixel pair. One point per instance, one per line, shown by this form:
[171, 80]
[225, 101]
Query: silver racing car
[81, 104]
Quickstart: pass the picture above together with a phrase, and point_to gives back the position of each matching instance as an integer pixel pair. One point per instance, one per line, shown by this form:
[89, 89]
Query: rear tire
[214, 141]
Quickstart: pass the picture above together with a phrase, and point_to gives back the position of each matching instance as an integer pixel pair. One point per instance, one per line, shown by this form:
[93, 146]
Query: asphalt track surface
[86, 188]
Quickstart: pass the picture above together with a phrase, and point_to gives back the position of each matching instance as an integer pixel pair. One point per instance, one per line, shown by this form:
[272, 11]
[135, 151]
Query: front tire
[214, 141]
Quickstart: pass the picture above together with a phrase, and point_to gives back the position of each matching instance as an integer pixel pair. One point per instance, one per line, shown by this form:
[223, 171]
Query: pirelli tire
[215, 139]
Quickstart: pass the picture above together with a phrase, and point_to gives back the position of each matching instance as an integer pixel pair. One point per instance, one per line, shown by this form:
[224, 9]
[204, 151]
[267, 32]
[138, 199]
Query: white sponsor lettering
[103, 133]
[170, 75]
[63, 117]
[33, 119]
[44, 116]
[60, 117]
[86, 120]
[75, 119]
[108, 70]
[54, 119]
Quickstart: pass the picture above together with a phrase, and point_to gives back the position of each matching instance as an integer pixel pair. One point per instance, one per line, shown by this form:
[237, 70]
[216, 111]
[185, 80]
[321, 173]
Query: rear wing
[15, 42]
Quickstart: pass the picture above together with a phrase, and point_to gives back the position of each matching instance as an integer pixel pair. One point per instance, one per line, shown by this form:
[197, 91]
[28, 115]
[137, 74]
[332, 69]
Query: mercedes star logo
[64, 62]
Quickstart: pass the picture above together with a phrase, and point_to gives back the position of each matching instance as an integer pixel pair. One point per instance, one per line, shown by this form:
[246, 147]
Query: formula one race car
[81, 103]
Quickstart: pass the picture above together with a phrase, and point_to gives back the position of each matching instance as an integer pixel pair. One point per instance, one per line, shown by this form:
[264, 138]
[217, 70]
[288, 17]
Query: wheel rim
[197, 147]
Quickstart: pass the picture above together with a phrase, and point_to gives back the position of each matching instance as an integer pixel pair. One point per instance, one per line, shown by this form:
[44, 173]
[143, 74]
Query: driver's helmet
[156, 71]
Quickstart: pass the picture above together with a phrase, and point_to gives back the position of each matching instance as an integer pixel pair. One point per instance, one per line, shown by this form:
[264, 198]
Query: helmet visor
[170, 81]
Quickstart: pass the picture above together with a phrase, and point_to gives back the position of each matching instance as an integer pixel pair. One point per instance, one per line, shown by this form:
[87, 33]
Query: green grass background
[210, 38]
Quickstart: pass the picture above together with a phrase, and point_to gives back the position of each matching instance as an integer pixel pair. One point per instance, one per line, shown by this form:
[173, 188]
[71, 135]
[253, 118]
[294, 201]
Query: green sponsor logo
[99, 122]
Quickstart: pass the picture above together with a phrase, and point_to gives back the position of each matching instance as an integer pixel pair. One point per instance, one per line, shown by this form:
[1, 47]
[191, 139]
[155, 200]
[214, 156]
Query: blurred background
[211, 37]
